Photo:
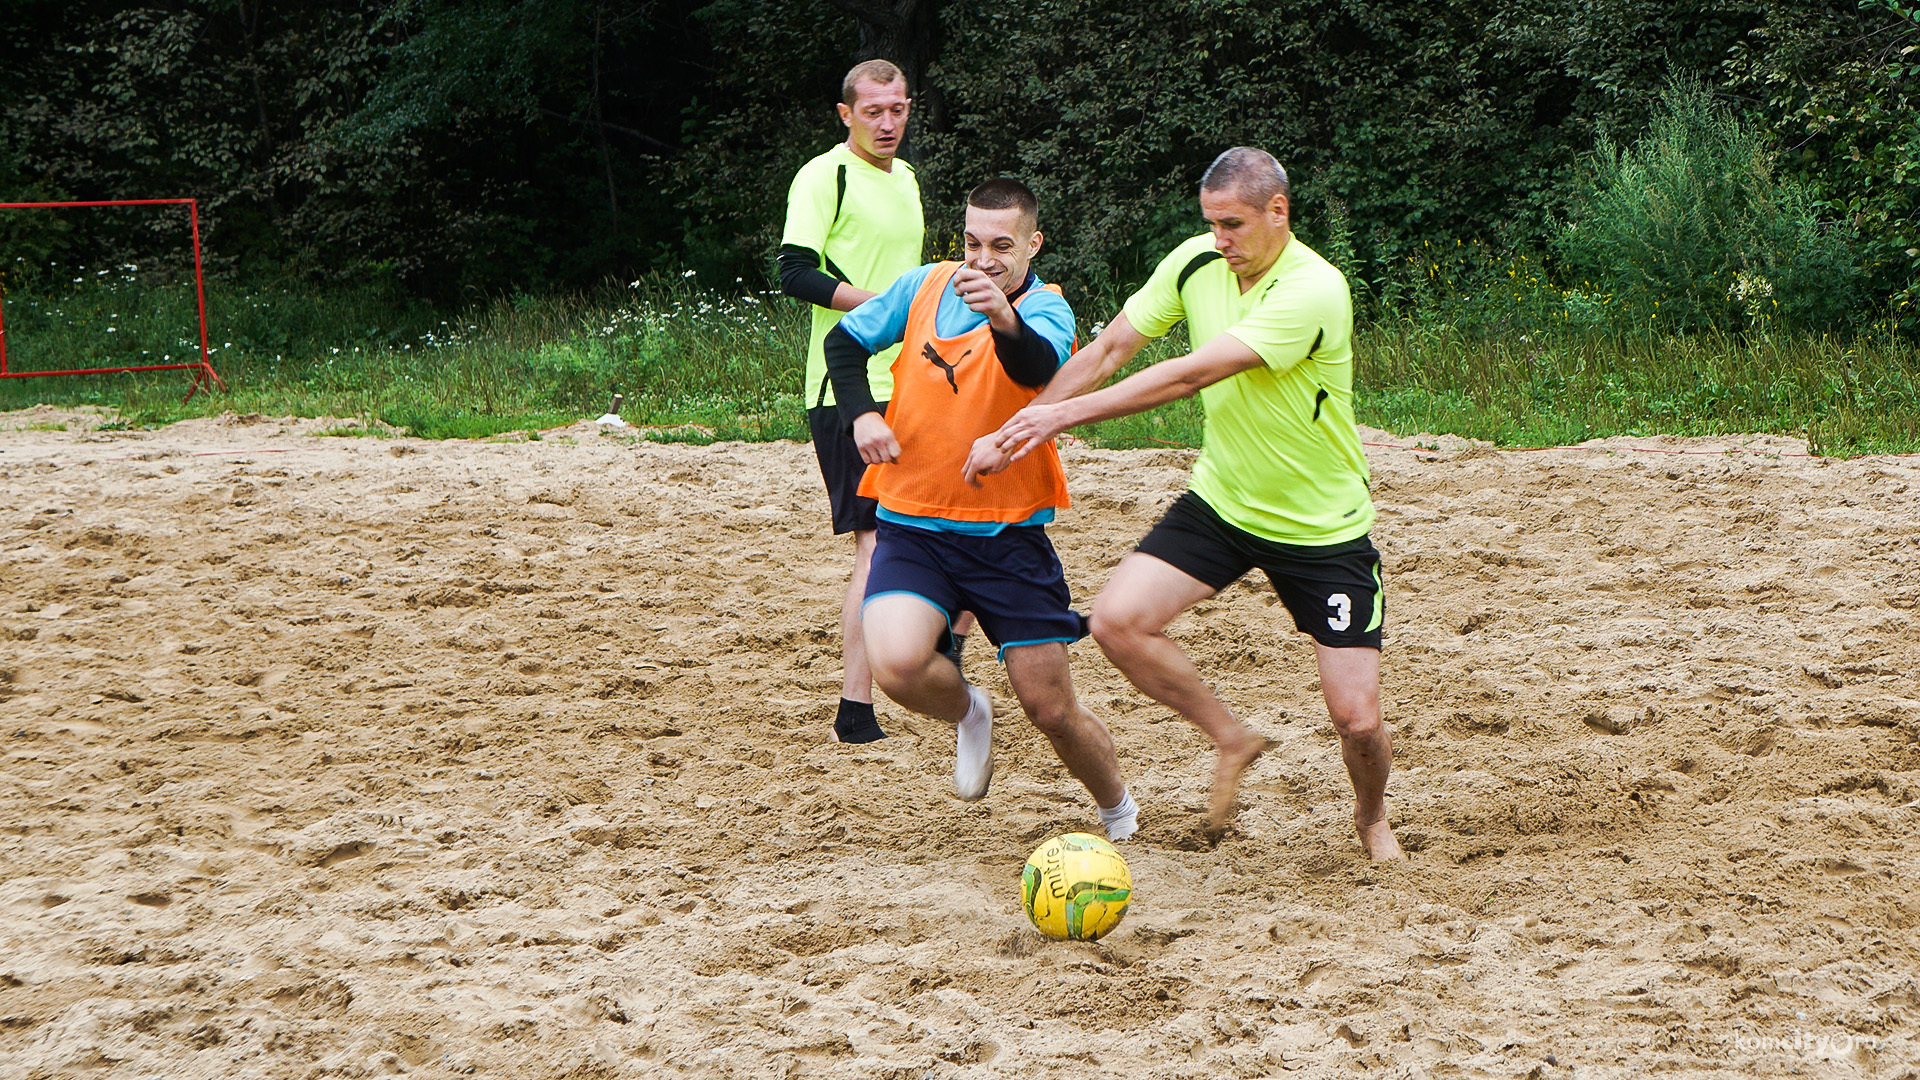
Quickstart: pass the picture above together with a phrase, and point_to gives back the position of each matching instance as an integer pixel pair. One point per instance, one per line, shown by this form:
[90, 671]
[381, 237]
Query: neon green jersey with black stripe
[1282, 458]
[866, 225]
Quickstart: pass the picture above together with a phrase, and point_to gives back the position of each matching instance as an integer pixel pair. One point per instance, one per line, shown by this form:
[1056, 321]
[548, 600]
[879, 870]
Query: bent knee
[891, 678]
[1357, 723]
[1051, 717]
[1117, 628]
[894, 667]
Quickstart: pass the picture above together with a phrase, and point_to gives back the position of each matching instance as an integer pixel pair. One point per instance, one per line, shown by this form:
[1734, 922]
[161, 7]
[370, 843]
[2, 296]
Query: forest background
[1634, 214]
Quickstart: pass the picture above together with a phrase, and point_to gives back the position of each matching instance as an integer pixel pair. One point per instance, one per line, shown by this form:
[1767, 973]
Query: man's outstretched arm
[1081, 372]
[1095, 364]
[1170, 380]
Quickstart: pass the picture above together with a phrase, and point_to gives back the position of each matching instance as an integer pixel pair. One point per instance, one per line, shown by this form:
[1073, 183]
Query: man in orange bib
[978, 340]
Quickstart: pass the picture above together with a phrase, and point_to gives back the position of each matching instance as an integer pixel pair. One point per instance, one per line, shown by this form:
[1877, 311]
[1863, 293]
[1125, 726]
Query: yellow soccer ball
[1076, 887]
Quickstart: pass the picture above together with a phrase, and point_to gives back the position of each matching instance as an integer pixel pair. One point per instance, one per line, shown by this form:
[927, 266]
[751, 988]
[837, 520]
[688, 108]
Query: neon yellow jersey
[1282, 458]
[866, 225]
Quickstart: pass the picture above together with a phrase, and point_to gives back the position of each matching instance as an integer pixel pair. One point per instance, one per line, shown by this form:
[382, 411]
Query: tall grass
[1522, 367]
[712, 365]
[1845, 396]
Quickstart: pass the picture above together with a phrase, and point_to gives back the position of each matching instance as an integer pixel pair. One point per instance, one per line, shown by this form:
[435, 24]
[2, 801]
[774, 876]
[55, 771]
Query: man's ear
[1035, 243]
[846, 113]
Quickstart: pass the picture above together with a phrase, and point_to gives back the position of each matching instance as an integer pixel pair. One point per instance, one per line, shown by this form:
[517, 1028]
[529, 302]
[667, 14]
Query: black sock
[856, 722]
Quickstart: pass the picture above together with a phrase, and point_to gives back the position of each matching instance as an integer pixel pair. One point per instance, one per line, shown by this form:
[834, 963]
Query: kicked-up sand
[364, 756]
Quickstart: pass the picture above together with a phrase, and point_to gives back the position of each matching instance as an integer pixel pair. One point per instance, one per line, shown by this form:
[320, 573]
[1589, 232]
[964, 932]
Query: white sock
[979, 707]
[1122, 819]
[973, 747]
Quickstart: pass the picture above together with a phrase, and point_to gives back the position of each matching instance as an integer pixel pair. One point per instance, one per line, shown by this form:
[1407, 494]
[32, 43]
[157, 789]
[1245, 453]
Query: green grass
[701, 366]
[1844, 396]
[711, 366]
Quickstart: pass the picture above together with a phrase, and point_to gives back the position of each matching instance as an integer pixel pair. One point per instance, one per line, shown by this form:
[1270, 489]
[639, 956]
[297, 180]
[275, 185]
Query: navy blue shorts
[1012, 582]
[1333, 592]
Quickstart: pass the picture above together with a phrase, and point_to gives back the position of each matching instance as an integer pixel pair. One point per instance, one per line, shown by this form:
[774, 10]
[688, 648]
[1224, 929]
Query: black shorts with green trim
[1334, 592]
[841, 469]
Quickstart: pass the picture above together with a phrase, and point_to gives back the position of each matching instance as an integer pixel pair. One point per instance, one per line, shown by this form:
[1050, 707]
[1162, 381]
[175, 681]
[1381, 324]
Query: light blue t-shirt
[882, 321]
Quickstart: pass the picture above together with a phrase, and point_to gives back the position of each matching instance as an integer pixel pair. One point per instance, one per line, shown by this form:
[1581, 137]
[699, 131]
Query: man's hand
[978, 292]
[1027, 429]
[874, 437]
[985, 459]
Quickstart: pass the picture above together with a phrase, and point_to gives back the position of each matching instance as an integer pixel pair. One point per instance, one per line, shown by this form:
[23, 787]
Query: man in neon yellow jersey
[853, 226]
[1281, 484]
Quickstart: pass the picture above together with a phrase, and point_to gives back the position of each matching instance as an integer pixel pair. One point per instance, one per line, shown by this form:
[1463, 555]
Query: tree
[1841, 88]
[1689, 229]
[907, 34]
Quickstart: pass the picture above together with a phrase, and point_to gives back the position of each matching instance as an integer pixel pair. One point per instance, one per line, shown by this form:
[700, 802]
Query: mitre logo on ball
[1076, 887]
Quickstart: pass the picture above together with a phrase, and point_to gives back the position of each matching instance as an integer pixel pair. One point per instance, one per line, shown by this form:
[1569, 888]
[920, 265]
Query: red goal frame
[204, 375]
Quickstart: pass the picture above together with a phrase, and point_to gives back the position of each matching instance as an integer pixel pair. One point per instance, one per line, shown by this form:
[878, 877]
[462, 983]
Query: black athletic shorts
[841, 468]
[1333, 592]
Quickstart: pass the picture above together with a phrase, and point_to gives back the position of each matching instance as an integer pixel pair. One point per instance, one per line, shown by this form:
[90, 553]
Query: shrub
[1690, 230]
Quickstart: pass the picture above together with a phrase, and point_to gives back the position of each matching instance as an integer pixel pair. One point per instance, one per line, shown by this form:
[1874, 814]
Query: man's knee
[1118, 627]
[891, 674]
[1350, 678]
[1356, 718]
[895, 654]
[895, 662]
[1052, 714]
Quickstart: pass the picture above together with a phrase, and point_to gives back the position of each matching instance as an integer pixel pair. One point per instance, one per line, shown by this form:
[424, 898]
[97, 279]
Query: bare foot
[1233, 760]
[1378, 841]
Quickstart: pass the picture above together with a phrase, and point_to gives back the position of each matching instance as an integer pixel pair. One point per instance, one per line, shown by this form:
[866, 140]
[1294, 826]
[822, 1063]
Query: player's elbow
[801, 277]
[1188, 383]
[1108, 362]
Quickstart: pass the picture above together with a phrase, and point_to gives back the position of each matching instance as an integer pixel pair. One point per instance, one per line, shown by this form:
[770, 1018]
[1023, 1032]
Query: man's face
[1000, 245]
[1248, 236]
[877, 119]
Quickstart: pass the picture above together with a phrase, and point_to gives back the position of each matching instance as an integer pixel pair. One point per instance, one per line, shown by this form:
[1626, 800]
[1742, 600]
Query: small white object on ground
[611, 418]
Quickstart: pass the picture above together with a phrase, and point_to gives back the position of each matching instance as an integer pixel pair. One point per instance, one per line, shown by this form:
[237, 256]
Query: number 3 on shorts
[1342, 606]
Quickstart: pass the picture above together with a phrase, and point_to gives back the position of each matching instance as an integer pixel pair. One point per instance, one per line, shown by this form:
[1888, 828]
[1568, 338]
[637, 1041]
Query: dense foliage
[1701, 155]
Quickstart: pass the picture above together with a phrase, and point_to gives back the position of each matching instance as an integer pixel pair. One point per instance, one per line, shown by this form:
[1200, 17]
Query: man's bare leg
[901, 631]
[856, 679]
[1350, 680]
[1130, 618]
[1043, 682]
[856, 684]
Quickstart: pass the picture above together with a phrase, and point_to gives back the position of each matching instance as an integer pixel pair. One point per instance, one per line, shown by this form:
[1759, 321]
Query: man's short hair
[1251, 173]
[1003, 192]
[873, 71]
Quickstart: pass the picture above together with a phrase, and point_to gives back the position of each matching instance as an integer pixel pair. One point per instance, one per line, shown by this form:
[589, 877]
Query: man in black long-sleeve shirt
[853, 225]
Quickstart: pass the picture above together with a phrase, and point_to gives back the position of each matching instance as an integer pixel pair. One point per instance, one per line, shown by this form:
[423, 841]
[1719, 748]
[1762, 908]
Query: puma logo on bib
[940, 362]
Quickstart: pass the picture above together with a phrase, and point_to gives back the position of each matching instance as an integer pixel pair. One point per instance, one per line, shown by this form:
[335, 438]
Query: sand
[363, 756]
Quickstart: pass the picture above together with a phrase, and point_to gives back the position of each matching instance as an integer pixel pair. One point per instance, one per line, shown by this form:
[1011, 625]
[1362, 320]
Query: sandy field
[365, 756]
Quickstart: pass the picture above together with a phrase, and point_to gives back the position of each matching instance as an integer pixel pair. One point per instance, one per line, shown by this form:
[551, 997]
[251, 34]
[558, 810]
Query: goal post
[204, 375]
